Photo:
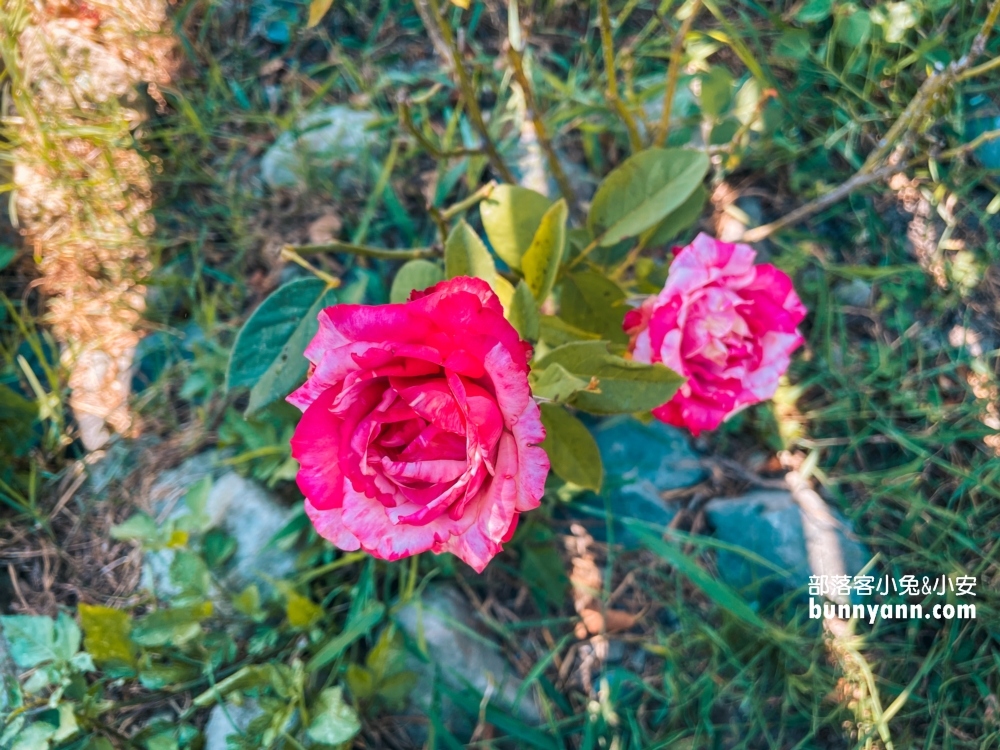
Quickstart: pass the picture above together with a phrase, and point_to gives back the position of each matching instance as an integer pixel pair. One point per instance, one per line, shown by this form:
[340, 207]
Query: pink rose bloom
[726, 325]
[419, 430]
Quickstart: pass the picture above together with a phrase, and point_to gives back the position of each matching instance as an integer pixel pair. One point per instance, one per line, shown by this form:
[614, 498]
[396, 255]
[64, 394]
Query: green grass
[888, 411]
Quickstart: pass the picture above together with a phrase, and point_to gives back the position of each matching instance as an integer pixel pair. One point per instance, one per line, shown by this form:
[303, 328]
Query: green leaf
[7, 254]
[360, 681]
[333, 720]
[139, 528]
[196, 500]
[511, 216]
[175, 626]
[317, 9]
[678, 220]
[417, 275]
[793, 44]
[591, 301]
[625, 386]
[395, 689]
[466, 255]
[107, 633]
[716, 91]
[302, 612]
[643, 190]
[32, 639]
[190, 574]
[555, 331]
[541, 260]
[267, 356]
[34, 737]
[556, 383]
[814, 11]
[67, 637]
[523, 312]
[247, 602]
[855, 30]
[356, 627]
[572, 450]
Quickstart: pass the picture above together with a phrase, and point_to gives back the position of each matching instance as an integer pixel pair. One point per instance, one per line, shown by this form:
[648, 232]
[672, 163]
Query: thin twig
[468, 91]
[673, 73]
[609, 66]
[517, 63]
[288, 253]
[466, 203]
[824, 201]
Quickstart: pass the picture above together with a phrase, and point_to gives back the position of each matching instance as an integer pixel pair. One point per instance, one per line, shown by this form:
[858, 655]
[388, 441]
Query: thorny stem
[468, 92]
[288, 253]
[837, 194]
[517, 63]
[609, 66]
[673, 73]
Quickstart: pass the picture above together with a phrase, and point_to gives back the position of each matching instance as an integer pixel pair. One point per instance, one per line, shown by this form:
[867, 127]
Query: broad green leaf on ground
[511, 216]
[174, 626]
[107, 634]
[333, 720]
[555, 331]
[556, 383]
[541, 260]
[267, 355]
[643, 190]
[301, 611]
[571, 448]
[418, 274]
[36, 639]
[625, 386]
[35, 736]
[32, 639]
[591, 301]
[522, 312]
[140, 528]
[678, 220]
[466, 255]
[317, 9]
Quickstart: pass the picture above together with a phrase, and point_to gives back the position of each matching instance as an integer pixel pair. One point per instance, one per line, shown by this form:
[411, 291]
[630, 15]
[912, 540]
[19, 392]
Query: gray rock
[769, 524]
[640, 462]
[228, 721]
[335, 137]
[236, 505]
[856, 294]
[460, 656]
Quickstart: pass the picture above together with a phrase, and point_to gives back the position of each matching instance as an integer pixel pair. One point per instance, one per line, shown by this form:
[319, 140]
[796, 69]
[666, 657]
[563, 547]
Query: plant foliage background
[647, 122]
